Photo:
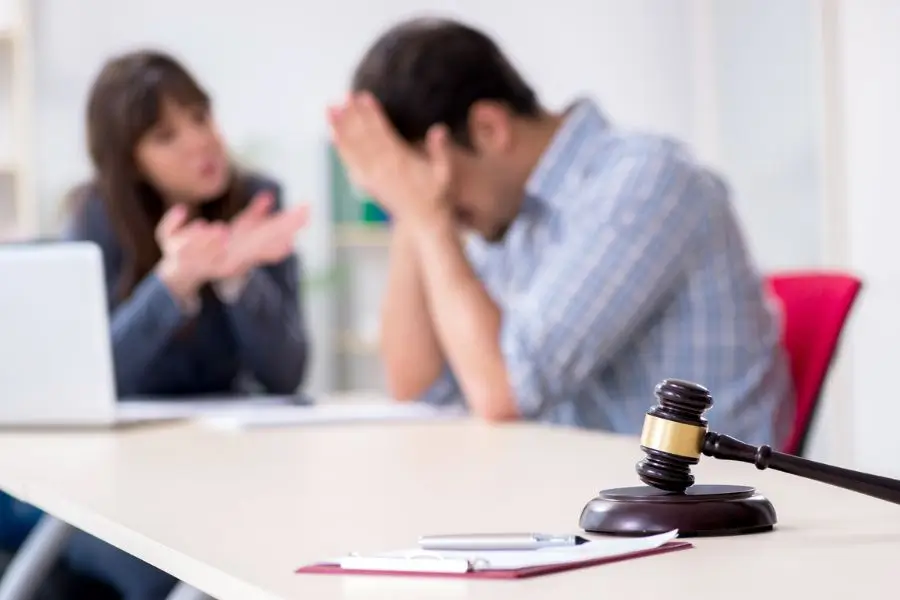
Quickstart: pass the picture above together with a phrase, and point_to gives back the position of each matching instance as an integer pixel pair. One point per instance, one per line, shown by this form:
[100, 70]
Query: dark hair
[429, 71]
[124, 103]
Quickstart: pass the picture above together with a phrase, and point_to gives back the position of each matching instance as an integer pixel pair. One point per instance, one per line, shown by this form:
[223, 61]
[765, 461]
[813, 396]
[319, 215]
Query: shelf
[362, 235]
[8, 168]
[18, 204]
[8, 33]
[350, 343]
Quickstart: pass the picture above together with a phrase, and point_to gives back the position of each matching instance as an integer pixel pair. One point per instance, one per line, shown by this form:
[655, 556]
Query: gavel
[674, 437]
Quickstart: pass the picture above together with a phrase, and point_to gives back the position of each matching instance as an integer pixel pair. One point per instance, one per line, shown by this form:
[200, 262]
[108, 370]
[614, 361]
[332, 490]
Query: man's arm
[410, 350]
[466, 320]
[589, 296]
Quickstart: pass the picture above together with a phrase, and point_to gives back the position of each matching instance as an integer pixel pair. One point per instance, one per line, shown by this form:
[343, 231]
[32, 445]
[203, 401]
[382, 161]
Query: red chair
[815, 307]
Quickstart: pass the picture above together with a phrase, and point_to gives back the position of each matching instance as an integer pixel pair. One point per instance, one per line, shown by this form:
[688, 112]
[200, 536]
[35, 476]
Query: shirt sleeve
[628, 241]
[445, 391]
[142, 324]
[266, 319]
[265, 314]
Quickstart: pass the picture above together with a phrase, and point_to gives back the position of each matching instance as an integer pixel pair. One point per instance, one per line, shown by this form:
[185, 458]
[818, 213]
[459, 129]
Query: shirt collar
[564, 157]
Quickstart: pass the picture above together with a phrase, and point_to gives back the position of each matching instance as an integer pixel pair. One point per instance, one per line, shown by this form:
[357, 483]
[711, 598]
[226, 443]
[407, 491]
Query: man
[601, 261]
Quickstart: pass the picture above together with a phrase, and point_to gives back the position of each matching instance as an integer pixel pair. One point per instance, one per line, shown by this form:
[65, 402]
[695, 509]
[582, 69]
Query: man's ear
[490, 127]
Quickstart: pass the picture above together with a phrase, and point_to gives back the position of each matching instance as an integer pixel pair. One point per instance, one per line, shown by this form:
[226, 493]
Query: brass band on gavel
[672, 437]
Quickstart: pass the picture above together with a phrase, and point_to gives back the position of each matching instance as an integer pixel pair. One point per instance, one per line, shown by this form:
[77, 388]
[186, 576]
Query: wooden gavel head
[673, 435]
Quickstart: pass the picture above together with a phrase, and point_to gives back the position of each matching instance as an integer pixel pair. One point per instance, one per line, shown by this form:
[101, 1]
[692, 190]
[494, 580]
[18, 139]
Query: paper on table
[461, 561]
[325, 413]
[150, 409]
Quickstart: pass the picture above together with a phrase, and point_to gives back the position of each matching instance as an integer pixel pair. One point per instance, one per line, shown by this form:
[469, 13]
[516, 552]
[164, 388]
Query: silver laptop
[56, 363]
[56, 366]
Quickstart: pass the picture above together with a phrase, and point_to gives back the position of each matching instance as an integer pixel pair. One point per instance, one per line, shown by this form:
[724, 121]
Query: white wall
[867, 71]
[770, 108]
[769, 85]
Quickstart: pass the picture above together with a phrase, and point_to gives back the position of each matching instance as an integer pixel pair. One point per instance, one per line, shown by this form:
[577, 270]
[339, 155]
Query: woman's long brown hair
[124, 103]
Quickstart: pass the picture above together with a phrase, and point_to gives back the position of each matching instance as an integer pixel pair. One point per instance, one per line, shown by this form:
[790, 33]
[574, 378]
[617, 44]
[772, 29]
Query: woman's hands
[190, 249]
[196, 252]
[259, 237]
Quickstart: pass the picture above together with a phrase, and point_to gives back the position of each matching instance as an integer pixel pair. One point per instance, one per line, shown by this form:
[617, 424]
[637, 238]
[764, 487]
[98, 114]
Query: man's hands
[195, 252]
[447, 310]
[411, 186]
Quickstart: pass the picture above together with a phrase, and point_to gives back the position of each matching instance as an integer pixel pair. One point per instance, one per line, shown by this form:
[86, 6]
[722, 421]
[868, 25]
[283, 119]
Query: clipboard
[432, 565]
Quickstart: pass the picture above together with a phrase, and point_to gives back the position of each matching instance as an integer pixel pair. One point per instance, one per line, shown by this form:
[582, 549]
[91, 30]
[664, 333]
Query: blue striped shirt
[626, 266]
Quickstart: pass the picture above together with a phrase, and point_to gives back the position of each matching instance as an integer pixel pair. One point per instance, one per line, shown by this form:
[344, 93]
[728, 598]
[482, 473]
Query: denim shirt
[258, 340]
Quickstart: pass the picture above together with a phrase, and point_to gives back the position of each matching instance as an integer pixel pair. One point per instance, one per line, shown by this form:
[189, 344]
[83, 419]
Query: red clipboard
[335, 569]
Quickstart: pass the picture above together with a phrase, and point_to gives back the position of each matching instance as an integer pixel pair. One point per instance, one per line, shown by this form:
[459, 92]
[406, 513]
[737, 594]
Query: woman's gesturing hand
[257, 236]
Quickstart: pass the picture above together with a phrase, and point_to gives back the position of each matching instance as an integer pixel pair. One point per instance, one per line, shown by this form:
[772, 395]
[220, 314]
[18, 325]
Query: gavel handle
[728, 448]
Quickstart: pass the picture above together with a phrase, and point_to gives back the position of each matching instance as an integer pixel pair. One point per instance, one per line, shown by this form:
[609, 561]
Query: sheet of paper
[150, 409]
[453, 560]
[327, 413]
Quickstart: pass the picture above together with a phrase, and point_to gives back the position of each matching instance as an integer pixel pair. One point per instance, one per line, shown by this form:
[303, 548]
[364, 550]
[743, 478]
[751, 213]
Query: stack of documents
[240, 412]
[500, 564]
[137, 410]
[328, 413]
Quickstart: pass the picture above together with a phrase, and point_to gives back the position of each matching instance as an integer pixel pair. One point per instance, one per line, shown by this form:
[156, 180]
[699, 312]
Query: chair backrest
[815, 306]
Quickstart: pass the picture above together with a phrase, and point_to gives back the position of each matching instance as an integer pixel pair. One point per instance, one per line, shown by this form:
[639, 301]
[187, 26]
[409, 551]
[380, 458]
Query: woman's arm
[265, 314]
[140, 325]
[264, 309]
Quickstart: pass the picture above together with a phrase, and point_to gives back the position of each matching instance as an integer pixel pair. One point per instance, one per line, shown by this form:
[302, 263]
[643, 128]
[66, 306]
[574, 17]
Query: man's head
[432, 71]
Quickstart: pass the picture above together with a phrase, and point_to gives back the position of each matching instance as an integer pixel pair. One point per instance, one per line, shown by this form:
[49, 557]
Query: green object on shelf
[344, 200]
[348, 205]
[372, 213]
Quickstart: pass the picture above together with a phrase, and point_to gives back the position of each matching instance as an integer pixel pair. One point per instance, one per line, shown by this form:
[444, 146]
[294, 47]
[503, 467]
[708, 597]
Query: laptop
[56, 363]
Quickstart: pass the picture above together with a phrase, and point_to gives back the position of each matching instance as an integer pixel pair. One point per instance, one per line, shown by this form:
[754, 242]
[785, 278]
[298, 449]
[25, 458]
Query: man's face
[487, 188]
[478, 198]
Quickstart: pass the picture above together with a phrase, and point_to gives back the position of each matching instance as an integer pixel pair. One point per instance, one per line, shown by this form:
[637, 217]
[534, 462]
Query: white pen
[498, 541]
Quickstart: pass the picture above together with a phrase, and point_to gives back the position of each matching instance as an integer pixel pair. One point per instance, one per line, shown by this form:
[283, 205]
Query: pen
[498, 541]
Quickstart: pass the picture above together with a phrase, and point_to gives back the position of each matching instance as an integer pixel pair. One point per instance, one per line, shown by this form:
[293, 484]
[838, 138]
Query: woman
[203, 284]
[202, 279]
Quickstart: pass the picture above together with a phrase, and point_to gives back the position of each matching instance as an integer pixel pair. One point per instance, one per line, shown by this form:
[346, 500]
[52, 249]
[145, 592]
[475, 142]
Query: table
[233, 514]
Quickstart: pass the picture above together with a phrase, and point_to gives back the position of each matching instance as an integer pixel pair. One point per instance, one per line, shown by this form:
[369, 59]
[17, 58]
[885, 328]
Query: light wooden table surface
[234, 514]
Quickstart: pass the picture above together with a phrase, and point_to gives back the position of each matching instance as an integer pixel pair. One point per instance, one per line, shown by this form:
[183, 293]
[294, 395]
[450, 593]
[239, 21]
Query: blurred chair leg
[35, 559]
[183, 591]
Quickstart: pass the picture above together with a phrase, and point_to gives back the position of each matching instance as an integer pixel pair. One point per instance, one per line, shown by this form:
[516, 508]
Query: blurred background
[794, 101]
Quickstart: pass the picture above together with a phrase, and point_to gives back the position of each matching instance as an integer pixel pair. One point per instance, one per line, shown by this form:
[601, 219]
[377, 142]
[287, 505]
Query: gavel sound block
[674, 437]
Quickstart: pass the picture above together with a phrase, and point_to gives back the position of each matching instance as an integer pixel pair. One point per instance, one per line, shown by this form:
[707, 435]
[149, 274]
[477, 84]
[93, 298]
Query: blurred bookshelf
[356, 345]
[18, 203]
[361, 242]
[362, 235]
